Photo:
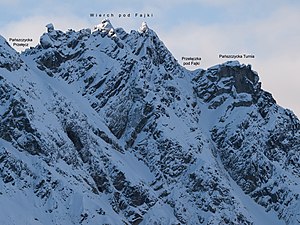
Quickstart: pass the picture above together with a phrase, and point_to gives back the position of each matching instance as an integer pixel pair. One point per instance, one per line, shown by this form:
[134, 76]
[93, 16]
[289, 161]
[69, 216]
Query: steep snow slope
[106, 127]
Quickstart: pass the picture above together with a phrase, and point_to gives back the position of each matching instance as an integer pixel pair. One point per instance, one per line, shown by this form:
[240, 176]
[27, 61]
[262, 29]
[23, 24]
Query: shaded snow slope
[106, 127]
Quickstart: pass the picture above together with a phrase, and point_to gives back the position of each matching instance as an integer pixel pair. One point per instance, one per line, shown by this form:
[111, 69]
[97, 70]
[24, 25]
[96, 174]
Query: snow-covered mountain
[105, 127]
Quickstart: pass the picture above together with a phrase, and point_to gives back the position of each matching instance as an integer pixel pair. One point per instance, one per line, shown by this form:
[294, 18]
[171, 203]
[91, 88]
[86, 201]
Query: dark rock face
[10, 59]
[244, 79]
[215, 85]
[15, 126]
[109, 127]
[250, 153]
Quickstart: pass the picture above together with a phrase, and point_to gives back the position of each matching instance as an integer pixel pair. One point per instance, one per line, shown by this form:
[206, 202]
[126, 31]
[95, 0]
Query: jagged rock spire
[50, 27]
[105, 25]
[144, 28]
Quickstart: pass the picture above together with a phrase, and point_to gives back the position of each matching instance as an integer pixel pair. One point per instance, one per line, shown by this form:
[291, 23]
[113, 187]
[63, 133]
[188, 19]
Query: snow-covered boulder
[144, 28]
[105, 26]
[46, 41]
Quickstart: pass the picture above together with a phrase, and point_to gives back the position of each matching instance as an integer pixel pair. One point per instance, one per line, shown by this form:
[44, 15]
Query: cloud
[172, 3]
[34, 27]
[273, 40]
[9, 2]
[270, 32]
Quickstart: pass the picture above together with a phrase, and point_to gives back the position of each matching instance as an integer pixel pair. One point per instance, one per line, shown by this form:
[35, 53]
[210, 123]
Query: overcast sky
[267, 29]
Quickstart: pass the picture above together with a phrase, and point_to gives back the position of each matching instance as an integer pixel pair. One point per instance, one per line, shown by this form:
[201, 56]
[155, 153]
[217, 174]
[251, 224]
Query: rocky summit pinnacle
[105, 127]
[144, 27]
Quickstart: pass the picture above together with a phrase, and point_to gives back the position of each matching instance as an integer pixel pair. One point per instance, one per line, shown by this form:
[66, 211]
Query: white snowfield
[105, 127]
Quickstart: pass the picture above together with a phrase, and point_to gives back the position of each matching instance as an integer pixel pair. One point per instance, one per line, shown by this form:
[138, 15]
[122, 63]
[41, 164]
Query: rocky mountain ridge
[105, 127]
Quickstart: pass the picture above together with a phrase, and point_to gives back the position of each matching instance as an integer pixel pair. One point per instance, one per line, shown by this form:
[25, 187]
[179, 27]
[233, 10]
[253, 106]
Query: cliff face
[107, 128]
